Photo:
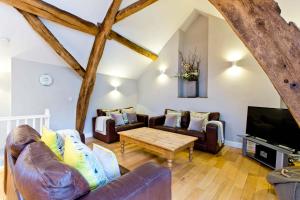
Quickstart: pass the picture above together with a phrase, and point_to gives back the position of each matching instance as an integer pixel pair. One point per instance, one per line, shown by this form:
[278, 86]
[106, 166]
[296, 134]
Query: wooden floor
[226, 176]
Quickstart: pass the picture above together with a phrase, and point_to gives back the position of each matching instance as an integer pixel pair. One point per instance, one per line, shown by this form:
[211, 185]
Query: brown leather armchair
[207, 141]
[112, 130]
[32, 171]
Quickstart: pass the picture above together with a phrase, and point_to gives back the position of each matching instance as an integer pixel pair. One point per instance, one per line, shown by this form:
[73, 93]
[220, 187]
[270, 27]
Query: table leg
[122, 146]
[170, 163]
[191, 153]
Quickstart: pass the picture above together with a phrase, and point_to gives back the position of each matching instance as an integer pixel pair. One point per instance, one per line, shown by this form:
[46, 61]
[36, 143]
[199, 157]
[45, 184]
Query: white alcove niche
[193, 35]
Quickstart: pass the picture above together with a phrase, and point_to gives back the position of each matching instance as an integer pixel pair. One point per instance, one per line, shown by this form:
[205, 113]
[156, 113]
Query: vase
[190, 89]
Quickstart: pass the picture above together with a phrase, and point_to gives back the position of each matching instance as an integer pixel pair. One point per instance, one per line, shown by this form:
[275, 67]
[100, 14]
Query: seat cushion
[40, 175]
[166, 128]
[198, 134]
[129, 126]
[20, 137]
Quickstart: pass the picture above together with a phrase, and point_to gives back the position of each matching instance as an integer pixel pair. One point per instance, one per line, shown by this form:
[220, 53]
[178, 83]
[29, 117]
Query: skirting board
[233, 144]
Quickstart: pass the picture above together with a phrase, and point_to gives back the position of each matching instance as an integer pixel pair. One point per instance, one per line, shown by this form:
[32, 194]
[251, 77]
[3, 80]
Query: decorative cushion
[108, 160]
[171, 120]
[40, 175]
[54, 141]
[201, 115]
[110, 112]
[20, 137]
[125, 118]
[132, 118]
[178, 116]
[69, 132]
[196, 124]
[79, 156]
[118, 119]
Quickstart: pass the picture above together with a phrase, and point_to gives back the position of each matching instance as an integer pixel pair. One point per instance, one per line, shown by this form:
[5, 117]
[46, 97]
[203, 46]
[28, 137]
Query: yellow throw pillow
[79, 156]
[54, 141]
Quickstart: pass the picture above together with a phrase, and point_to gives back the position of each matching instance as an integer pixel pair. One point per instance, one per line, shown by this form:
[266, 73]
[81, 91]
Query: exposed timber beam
[131, 45]
[133, 8]
[273, 42]
[57, 15]
[94, 60]
[42, 30]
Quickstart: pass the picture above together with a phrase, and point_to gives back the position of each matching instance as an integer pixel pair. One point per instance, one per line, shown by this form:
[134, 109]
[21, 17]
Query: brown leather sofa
[112, 130]
[207, 141]
[32, 171]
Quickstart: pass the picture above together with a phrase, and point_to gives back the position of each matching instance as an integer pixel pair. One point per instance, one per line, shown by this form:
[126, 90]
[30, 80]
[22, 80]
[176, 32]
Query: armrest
[110, 126]
[143, 118]
[156, 121]
[147, 182]
[212, 137]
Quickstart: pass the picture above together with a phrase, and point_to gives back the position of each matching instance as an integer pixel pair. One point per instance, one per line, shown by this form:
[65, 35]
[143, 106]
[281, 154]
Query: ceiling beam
[57, 15]
[45, 33]
[94, 60]
[133, 8]
[131, 45]
[272, 41]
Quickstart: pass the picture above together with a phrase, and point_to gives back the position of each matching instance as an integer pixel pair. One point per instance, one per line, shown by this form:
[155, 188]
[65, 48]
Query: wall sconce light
[234, 70]
[162, 71]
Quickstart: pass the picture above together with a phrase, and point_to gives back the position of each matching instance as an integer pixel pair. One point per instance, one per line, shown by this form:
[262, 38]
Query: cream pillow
[109, 162]
[196, 124]
[200, 115]
[178, 117]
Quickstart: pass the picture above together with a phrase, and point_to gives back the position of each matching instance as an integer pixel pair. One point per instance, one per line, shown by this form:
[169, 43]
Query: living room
[141, 78]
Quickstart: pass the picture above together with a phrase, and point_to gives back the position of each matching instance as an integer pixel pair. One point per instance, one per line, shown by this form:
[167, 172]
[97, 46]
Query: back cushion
[40, 175]
[20, 137]
[185, 118]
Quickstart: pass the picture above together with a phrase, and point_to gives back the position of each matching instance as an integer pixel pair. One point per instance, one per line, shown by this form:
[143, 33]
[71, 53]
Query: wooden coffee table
[161, 142]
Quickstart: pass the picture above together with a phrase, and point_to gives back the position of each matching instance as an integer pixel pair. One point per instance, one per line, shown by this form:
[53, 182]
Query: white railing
[35, 121]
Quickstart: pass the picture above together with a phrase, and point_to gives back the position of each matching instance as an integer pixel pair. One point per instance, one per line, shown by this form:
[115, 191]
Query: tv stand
[273, 156]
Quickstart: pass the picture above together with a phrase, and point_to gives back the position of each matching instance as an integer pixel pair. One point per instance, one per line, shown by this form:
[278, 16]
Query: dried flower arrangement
[190, 66]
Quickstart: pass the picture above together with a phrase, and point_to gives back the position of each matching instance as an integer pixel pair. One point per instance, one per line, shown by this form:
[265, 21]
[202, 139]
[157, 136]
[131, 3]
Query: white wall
[230, 91]
[29, 97]
[5, 86]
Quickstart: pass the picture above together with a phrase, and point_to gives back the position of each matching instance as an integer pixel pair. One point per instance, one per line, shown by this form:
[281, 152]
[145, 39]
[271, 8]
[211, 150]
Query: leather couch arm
[212, 137]
[110, 126]
[143, 118]
[157, 121]
[148, 182]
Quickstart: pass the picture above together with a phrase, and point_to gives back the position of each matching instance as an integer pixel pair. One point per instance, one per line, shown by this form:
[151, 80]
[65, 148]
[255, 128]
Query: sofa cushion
[129, 126]
[20, 137]
[185, 117]
[198, 134]
[132, 117]
[81, 157]
[109, 162]
[40, 175]
[171, 120]
[54, 141]
[118, 119]
[196, 124]
[166, 128]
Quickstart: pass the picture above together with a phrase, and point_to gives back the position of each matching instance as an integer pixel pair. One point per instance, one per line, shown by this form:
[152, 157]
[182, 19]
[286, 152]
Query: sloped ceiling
[150, 28]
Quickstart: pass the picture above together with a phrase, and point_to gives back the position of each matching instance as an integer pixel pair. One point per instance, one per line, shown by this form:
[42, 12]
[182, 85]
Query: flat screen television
[277, 126]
